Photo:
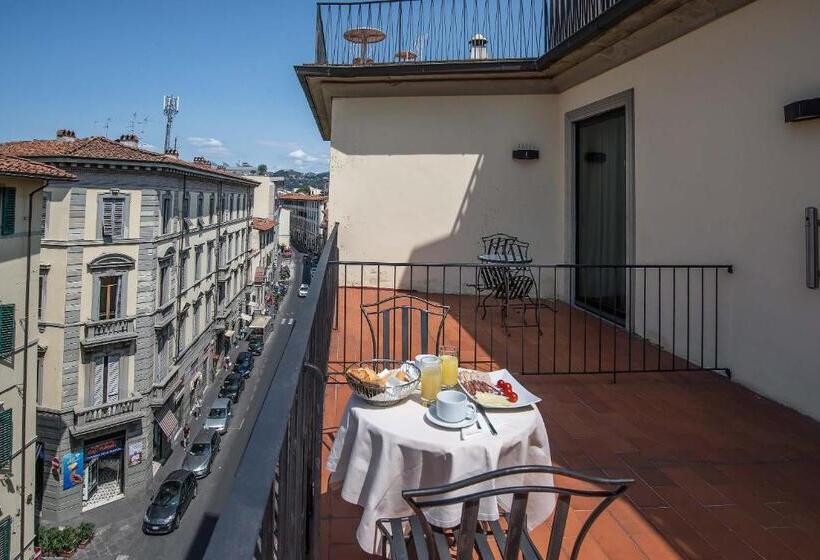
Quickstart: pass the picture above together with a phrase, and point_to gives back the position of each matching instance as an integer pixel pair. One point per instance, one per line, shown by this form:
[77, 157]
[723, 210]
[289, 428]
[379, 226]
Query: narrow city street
[119, 533]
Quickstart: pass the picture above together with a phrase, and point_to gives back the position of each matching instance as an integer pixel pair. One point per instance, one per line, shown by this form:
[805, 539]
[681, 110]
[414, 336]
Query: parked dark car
[232, 387]
[168, 505]
[255, 346]
[201, 455]
[245, 357]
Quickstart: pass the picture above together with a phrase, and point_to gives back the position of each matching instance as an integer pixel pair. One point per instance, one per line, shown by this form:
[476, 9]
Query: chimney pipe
[130, 140]
[66, 135]
[478, 47]
[172, 153]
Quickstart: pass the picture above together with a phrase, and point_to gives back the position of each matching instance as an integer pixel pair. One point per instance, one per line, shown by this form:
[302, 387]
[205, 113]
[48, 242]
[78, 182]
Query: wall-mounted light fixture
[525, 152]
[803, 110]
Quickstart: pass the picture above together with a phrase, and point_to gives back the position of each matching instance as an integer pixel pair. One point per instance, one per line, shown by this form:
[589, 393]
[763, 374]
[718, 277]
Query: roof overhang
[628, 30]
[143, 165]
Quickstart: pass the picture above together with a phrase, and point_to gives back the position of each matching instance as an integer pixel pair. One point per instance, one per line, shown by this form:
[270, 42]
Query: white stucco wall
[422, 179]
[721, 178]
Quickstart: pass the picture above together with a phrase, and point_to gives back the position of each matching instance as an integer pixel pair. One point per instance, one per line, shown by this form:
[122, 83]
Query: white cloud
[208, 145]
[301, 159]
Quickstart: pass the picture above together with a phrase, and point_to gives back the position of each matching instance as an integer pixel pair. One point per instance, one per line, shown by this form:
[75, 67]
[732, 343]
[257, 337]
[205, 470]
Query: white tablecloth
[378, 452]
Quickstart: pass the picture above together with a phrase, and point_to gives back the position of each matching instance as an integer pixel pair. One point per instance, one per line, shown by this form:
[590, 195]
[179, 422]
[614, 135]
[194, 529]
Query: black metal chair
[387, 328]
[429, 543]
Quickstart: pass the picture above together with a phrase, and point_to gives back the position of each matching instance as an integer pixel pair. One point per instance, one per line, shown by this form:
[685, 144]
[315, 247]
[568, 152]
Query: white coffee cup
[420, 357]
[452, 406]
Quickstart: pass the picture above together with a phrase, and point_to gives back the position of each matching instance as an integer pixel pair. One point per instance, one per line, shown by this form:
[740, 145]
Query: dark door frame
[625, 100]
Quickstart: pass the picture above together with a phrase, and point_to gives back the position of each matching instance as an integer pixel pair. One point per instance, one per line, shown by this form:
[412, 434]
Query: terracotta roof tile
[263, 224]
[98, 147]
[298, 197]
[19, 167]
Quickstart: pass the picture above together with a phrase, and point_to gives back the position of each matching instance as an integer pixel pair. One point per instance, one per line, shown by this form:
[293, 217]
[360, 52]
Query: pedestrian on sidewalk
[186, 433]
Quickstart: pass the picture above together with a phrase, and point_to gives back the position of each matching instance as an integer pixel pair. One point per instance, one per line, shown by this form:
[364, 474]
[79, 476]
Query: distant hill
[295, 179]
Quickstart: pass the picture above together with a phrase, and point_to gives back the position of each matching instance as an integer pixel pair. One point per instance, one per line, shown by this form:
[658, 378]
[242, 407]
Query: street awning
[228, 334]
[245, 317]
[167, 422]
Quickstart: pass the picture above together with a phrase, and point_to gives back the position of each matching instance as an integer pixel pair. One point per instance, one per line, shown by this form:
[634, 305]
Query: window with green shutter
[5, 539]
[6, 432]
[6, 330]
[8, 202]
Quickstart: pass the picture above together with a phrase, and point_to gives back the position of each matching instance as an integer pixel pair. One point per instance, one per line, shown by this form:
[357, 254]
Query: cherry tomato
[512, 397]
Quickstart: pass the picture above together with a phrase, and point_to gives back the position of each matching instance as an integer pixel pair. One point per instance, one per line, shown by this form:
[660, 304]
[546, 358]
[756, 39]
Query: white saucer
[432, 417]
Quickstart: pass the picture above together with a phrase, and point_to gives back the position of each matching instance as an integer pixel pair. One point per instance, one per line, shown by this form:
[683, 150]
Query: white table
[378, 452]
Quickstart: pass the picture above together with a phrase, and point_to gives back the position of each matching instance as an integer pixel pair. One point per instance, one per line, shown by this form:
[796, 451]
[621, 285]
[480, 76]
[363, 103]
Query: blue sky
[75, 63]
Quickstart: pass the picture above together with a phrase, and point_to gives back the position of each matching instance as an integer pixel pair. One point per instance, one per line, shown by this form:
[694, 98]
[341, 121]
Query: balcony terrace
[719, 471]
[97, 333]
[436, 31]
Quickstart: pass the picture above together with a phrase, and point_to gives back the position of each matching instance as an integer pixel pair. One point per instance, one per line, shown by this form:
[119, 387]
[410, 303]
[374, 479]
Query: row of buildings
[128, 273]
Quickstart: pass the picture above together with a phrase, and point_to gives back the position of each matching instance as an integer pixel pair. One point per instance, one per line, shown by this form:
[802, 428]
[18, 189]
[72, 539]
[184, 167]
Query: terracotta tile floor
[719, 471]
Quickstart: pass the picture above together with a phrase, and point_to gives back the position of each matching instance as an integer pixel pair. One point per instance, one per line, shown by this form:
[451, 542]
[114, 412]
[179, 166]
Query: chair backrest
[606, 490]
[497, 243]
[516, 285]
[405, 320]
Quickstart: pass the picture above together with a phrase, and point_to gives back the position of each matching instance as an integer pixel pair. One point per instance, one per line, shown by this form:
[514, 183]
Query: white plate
[525, 398]
[432, 417]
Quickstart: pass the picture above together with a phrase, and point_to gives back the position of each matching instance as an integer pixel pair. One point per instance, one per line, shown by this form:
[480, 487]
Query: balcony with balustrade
[92, 418]
[109, 331]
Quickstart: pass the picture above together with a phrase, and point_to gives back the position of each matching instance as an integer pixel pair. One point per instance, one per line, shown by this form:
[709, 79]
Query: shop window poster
[73, 467]
[134, 453]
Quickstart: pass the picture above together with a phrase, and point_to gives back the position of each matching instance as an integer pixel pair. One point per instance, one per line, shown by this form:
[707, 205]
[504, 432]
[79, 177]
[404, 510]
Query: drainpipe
[26, 339]
[180, 246]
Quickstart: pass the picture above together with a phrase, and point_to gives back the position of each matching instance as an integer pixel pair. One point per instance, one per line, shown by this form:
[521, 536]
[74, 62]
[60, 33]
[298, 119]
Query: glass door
[600, 214]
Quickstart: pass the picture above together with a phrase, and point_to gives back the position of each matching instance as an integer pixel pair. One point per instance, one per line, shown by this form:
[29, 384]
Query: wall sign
[102, 449]
[135, 453]
[73, 469]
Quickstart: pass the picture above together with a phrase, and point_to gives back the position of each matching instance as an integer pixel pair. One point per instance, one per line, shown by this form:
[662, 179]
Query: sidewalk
[118, 512]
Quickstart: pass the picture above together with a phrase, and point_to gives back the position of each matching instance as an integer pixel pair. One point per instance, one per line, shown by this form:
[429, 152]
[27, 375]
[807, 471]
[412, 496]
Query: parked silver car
[219, 417]
[201, 455]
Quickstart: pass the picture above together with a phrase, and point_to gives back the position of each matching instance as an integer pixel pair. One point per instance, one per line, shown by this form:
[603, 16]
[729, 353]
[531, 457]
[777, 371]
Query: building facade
[677, 108]
[21, 226]
[308, 219]
[143, 278]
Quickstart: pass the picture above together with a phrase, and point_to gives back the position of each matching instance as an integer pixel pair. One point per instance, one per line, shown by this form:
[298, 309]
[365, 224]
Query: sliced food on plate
[480, 386]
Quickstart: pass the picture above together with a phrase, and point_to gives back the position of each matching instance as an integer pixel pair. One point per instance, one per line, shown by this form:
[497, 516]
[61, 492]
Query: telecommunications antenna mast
[170, 106]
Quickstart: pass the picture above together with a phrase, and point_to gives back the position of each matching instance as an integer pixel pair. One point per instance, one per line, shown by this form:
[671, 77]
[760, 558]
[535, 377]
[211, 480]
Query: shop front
[104, 466]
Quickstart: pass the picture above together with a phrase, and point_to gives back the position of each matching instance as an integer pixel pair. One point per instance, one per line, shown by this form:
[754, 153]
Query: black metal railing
[273, 507]
[415, 31]
[545, 319]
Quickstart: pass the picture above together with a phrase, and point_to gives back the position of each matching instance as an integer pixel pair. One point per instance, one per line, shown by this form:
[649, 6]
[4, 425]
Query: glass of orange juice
[430, 379]
[449, 366]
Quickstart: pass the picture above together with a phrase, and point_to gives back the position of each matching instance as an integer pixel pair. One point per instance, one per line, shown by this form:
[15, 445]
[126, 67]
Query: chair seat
[489, 536]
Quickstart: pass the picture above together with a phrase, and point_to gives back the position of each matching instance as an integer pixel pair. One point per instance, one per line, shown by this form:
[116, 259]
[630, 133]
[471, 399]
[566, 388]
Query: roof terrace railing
[423, 31]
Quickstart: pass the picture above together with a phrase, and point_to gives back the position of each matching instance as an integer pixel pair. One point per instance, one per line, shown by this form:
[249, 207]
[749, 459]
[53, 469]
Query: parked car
[219, 416]
[255, 346]
[232, 387]
[201, 455]
[170, 502]
[303, 290]
[244, 364]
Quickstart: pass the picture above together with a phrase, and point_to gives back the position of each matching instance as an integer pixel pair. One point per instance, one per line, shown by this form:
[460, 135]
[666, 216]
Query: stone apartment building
[21, 198]
[143, 279]
[264, 240]
[308, 219]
